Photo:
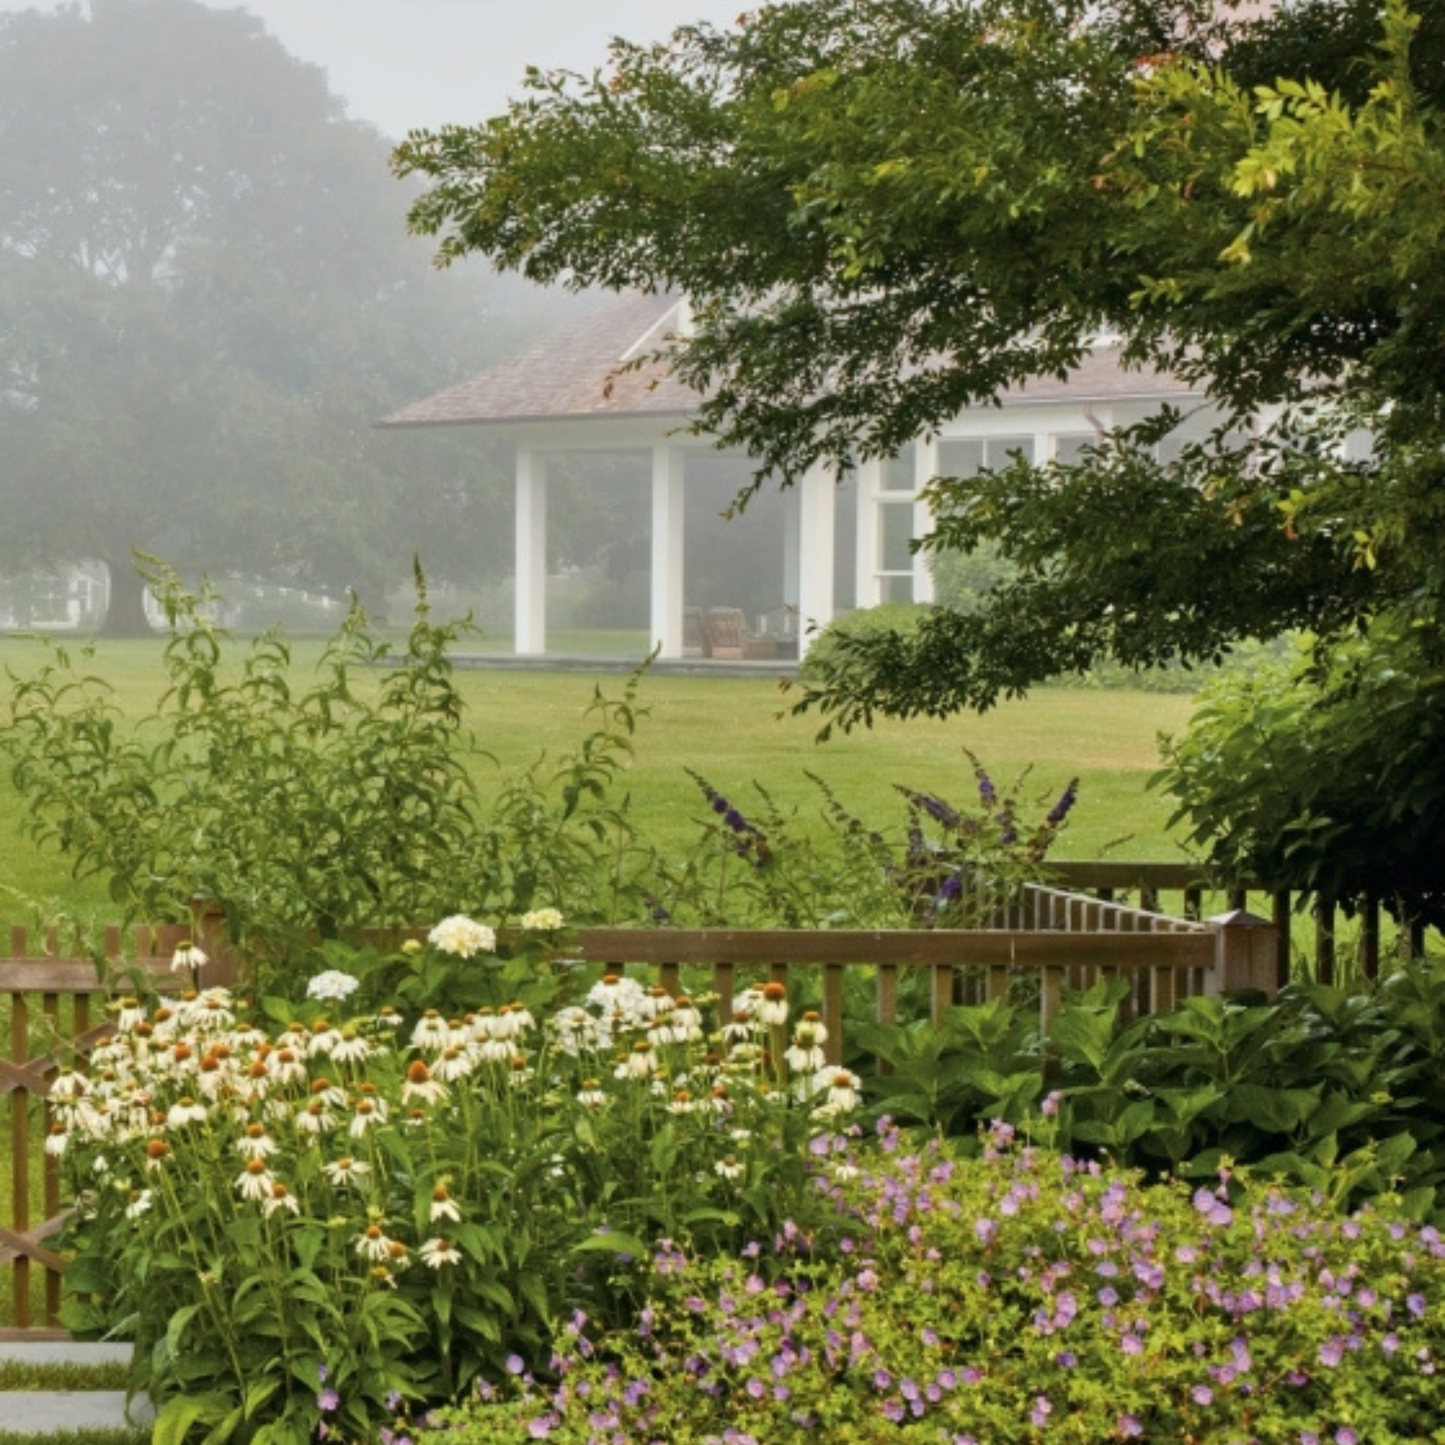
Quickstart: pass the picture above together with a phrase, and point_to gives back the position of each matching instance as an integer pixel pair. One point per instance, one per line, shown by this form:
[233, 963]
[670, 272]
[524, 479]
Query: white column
[668, 503]
[816, 500]
[530, 615]
[925, 462]
[790, 546]
[868, 588]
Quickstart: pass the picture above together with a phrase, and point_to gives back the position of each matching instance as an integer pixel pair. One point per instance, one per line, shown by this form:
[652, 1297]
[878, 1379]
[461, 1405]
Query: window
[898, 474]
[968, 456]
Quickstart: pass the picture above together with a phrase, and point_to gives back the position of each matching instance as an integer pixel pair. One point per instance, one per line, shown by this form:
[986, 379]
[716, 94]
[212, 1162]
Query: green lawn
[735, 731]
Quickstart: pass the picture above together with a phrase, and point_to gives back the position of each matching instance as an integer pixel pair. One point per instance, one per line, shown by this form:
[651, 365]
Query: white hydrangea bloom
[332, 983]
[462, 937]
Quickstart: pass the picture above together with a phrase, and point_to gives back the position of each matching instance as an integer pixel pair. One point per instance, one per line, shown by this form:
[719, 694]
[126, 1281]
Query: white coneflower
[741, 1028]
[188, 957]
[432, 1033]
[804, 1059]
[521, 1072]
[140, 1203]
[68, 1086]
[575, 1031]
[772, 1012]
[352, 1048]
[255, 1142]
[686, 1022]
[455, 1062]
[443, 1206]
[515, 1019]
[420, 1086]
[366, 1115]
[590, 1096]
[639, 1063]
[655, 1004]
[346, 1171]
[373, 1244]
[323, 1039]
[462, 937]
[390, 1017]
[287, 1066]
[185, 1111]
[131, 1014]
[315, 1119]
[333, 1096]
[728, 1168]
[56, 1140]
[811, 1029]
[495, 1051]
[842, 1086]
[157, 1153]
[255, 1180]
[438, 1252]
[682, 1103]
[280, 1197]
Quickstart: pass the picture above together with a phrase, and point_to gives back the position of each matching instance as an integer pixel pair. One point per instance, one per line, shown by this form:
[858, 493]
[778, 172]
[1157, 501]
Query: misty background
[208, 298]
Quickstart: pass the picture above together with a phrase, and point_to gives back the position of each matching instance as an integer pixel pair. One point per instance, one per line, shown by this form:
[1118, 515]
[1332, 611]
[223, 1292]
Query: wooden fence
[1182, 888]
[1063, 939]
[55, 1000]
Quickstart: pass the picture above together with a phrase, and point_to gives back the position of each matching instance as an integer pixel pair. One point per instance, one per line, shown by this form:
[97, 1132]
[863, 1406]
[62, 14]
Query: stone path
[43, 1412]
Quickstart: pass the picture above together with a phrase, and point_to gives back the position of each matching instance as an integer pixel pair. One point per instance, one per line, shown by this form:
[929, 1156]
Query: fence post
[1244, 954]
[208, 929]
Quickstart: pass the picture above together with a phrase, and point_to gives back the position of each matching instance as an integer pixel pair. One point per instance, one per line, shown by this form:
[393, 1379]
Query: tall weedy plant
[305, 809]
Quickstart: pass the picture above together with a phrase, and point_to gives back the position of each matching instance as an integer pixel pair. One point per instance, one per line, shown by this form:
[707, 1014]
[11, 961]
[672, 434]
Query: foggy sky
[407, 63]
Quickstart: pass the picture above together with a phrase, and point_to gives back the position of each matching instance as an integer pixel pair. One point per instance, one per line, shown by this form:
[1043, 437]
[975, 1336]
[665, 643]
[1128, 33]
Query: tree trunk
[126, 615]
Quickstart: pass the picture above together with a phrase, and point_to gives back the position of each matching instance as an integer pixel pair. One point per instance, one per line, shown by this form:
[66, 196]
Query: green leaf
[180, 1413]
[611, 1241]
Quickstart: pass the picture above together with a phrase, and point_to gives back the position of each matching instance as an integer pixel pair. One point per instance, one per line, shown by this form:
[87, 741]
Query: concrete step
[46, 1412]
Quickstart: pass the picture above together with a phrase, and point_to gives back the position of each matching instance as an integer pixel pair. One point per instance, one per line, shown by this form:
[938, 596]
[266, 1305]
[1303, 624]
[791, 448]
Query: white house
[567, 395]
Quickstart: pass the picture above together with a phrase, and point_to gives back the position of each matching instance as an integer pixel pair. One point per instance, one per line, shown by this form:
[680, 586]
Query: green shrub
[1012, 1299]
[1337, 1091]
[1326, 774]
[307, 809]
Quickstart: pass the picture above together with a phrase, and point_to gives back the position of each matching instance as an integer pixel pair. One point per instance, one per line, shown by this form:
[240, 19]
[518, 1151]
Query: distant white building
[566, 396]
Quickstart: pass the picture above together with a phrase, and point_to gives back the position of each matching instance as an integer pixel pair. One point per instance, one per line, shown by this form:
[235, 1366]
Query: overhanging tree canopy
[885, 210]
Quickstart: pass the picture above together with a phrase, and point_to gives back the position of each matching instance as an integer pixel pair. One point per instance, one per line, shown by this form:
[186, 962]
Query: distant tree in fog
[207, 297]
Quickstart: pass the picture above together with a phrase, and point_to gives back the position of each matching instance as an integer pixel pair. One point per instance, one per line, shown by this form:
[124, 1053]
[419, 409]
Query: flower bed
[1013, 1299]
[304, 1218]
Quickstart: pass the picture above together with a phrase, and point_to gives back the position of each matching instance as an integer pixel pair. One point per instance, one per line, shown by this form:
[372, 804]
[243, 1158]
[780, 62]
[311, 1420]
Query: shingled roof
[574, 375]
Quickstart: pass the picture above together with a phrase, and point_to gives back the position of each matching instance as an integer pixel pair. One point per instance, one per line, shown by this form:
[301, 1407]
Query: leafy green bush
[1326, 774]
[1010, 1299]
[365, 1208]
[1337, 1091]
[306, 812]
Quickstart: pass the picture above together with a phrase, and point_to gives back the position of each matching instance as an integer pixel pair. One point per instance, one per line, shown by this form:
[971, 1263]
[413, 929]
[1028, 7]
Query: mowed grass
[738, 733]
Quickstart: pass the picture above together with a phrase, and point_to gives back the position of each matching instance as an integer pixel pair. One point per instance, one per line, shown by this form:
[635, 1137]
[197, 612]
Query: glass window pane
[897, 589]
[1001, 449]
[895, 531]
[1069, 446]
[898, 473]
[962, 457]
